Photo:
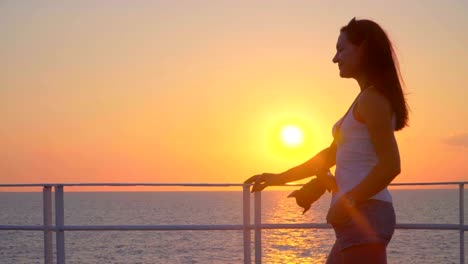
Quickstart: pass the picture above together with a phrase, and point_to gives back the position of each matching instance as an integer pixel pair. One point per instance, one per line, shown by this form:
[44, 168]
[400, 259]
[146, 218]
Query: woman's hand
[261, 181]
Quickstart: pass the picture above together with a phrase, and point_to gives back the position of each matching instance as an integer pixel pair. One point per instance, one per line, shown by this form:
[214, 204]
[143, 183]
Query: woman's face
[348, 57]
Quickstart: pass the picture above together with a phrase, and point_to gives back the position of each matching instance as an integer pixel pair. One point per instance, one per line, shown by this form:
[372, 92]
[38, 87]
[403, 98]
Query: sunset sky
[198, 91]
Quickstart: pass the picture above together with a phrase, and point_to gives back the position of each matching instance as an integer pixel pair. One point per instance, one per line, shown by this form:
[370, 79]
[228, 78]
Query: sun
[291, 136]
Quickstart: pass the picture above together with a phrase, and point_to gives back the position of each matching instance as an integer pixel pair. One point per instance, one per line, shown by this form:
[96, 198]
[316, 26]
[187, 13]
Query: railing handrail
[126, 184]
[420, 226]
[59, 227]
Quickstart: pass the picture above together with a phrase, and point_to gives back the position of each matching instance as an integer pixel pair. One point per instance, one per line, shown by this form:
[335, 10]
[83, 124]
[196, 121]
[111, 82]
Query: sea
[431, 206]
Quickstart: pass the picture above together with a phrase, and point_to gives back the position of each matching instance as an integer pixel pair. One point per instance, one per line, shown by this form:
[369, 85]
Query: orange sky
[197, 92]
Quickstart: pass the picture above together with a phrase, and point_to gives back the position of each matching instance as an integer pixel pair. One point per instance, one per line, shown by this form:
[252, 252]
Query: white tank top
[355, 156]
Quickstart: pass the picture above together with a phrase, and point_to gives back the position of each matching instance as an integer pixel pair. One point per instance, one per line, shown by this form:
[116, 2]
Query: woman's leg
[365, 254]
[335, 256]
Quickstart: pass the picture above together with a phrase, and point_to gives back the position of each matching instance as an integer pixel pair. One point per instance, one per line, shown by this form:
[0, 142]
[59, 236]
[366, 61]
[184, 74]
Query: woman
[366, 153]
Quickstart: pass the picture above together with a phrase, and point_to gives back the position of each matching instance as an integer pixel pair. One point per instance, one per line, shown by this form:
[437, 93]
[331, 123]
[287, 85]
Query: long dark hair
[380, 64]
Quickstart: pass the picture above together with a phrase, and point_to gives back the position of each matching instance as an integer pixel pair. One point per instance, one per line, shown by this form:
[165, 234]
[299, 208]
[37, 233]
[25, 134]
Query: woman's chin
[344, 74]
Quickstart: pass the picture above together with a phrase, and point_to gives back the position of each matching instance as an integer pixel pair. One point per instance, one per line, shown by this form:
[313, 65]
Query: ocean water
[279, 246]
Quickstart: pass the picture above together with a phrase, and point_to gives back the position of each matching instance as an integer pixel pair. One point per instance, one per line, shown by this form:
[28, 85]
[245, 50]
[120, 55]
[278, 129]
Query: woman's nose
[335, 58]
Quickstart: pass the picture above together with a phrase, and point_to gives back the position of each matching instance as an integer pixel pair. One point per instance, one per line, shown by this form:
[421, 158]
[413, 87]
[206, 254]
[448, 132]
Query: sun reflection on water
[294, 245]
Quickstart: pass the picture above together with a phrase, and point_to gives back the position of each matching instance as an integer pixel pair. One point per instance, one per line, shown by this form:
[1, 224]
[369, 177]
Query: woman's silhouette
[365, 152]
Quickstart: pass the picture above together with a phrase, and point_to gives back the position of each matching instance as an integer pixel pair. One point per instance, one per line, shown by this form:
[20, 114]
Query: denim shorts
[374, 222]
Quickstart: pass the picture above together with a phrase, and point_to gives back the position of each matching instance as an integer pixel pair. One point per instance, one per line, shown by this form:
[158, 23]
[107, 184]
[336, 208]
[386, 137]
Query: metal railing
[59, 227]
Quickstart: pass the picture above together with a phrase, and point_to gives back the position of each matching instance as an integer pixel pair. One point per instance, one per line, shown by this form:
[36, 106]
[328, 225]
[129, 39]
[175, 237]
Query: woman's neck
[364, 83]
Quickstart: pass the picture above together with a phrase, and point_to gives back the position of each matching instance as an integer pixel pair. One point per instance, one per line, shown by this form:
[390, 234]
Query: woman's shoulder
[373, 103]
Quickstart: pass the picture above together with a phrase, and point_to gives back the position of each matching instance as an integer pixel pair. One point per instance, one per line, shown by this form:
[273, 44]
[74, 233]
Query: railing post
[59, 222]
[47, 222]
[462, 222]
[258, 230]
[246, 222]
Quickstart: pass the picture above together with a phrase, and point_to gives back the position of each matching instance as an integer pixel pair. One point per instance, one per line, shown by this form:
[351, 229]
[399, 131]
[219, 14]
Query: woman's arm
[307, 169]
[324, 159]
[375, 110]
